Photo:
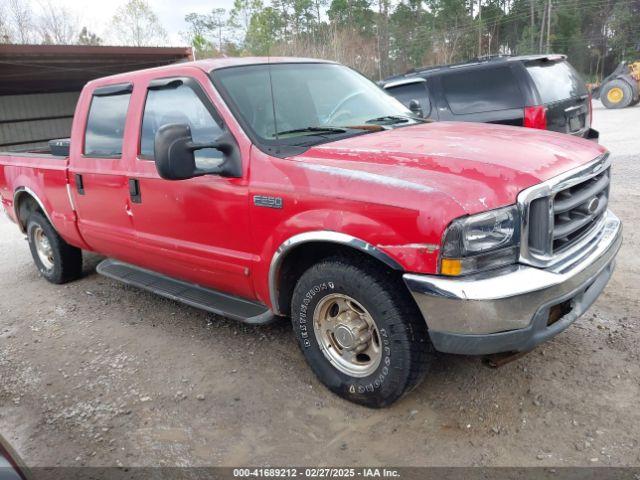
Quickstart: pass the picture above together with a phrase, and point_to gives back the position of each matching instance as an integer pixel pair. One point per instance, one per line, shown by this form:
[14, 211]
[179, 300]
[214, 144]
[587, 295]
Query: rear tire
[57, 261]
[616, 94]
[336, 304]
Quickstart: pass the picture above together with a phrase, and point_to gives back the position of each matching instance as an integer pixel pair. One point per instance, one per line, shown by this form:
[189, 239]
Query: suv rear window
[556, 81]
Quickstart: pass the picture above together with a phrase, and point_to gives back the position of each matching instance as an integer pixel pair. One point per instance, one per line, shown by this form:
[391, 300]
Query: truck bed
[43, 177]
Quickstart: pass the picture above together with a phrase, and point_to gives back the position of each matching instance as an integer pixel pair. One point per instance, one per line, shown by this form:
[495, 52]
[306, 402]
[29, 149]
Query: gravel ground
[97, 373]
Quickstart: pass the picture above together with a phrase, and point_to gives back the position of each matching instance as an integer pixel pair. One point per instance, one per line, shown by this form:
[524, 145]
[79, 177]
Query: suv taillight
[535, 117]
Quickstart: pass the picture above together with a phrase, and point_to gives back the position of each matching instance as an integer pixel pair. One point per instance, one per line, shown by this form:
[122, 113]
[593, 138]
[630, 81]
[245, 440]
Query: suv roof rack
[480, 60]
[471, 61]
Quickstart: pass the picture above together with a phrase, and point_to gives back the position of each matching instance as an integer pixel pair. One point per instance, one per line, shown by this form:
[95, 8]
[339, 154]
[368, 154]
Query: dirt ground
[97, 373]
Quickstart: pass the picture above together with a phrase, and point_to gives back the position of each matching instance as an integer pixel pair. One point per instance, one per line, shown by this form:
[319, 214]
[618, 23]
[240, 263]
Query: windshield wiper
[393, 119]
[329, 130]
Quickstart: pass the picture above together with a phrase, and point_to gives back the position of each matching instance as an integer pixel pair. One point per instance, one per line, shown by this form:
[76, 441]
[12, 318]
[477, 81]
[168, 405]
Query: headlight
[480, 242]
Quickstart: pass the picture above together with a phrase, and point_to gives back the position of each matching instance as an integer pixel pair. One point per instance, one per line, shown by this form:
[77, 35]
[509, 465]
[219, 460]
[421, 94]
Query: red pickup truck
[263, 188]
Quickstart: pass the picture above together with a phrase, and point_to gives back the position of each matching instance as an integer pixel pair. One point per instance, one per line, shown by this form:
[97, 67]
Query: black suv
[536, 91]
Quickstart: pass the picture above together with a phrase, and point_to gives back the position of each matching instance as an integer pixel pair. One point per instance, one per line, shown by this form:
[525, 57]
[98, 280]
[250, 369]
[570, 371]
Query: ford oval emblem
[592, 206]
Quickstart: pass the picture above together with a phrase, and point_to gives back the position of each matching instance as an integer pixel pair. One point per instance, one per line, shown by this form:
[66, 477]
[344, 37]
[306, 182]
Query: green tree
[489, 24]
[384, 36]
[625, 31]
[265, 29]
[208, 31]
[302, 16]
[87, 37]
[519, 28]
[241, 14]
[454, 30]
[356, 15]
[411, 35]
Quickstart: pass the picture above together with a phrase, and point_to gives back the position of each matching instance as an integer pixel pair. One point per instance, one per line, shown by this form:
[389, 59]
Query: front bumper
[515, 308]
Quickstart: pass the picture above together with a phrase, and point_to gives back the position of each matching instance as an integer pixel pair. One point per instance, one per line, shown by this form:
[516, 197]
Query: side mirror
[415, 107]
[174, 153]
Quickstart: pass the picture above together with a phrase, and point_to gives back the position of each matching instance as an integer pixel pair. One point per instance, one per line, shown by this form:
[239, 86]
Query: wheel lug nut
[364, 337]
[360, 348]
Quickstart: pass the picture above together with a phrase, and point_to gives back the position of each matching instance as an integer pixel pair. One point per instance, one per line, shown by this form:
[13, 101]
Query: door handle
[79, 184]
[134, 190]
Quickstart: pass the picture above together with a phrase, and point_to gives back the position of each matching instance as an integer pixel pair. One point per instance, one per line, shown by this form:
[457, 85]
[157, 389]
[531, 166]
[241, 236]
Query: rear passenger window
[105, 125]
[180, 105]
[412, 91]
[482, 90]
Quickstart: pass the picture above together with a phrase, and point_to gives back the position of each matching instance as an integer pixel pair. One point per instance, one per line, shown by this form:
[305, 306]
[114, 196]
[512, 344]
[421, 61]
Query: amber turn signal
[451, 266]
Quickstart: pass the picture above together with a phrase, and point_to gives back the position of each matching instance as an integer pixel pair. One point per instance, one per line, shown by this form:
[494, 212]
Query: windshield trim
[281, 147]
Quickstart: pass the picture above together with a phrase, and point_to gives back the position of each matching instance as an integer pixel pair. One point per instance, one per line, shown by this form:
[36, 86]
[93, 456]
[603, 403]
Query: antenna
[273, 100]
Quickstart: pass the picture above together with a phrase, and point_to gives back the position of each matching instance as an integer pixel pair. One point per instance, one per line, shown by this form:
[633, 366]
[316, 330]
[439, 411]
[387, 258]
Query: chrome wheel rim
[43, 248]
[347, 335]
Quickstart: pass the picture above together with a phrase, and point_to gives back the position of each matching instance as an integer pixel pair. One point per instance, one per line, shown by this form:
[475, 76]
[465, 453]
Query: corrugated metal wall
[30, 121]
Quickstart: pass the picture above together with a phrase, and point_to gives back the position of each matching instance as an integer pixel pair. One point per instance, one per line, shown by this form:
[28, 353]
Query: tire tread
[404, 322]
[69, 258]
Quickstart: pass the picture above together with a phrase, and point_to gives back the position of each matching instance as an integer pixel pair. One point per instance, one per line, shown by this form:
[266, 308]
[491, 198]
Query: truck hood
[479, 166]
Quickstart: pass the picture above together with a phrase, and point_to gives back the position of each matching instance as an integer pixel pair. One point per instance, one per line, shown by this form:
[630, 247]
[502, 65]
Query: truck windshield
[556, 81]
[280, 103]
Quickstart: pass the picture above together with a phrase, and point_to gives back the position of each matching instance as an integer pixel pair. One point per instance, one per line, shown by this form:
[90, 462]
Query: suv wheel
[360, 331]
[56, 260]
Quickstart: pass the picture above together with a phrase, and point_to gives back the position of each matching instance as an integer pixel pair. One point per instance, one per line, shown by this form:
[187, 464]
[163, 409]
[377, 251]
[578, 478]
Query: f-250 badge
[266, 201]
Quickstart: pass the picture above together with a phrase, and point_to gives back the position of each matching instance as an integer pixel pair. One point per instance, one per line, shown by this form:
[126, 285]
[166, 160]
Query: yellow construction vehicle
[621, 88]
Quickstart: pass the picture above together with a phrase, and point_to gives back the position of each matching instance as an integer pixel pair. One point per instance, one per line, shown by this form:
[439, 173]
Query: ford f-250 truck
[264, 188]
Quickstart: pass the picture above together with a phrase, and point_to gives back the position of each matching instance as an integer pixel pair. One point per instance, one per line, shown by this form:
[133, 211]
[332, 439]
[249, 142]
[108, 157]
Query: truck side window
[482, 90]
[180, 105]
[105, 125]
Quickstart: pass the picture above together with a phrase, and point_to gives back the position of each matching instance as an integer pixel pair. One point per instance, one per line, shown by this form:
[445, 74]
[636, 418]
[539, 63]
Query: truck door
[198, 229]
[98, 171]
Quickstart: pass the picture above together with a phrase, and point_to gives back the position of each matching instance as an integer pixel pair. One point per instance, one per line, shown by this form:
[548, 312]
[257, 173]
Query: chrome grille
[577, 209]
[561, 215]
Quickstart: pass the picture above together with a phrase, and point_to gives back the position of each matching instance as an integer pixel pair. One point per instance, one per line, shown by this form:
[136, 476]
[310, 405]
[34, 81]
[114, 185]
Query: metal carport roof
[58, 68]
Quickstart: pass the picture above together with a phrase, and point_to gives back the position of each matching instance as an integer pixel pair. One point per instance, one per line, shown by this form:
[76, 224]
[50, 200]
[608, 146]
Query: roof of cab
[207, 65]
[217, 63]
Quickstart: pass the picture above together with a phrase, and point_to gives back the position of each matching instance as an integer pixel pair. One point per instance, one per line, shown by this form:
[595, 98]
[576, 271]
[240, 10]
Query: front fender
[323, 236]
[398, 242]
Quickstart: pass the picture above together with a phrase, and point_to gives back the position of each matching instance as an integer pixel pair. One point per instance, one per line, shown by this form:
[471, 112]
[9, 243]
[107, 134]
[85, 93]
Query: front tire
[360, 331]
[57, 261]
[616, 94]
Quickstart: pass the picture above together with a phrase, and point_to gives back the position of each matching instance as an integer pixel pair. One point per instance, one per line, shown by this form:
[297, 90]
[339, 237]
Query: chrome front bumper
[509, 309]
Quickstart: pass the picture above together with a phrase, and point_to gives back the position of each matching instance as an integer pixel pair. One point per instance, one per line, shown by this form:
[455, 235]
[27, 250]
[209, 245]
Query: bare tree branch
[135, 23]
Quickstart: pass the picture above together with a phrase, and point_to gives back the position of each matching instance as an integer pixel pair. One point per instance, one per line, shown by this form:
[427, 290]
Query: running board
[188, 293]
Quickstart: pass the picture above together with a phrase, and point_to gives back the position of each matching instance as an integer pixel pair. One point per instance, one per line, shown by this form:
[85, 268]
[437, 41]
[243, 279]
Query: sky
[96, 15]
